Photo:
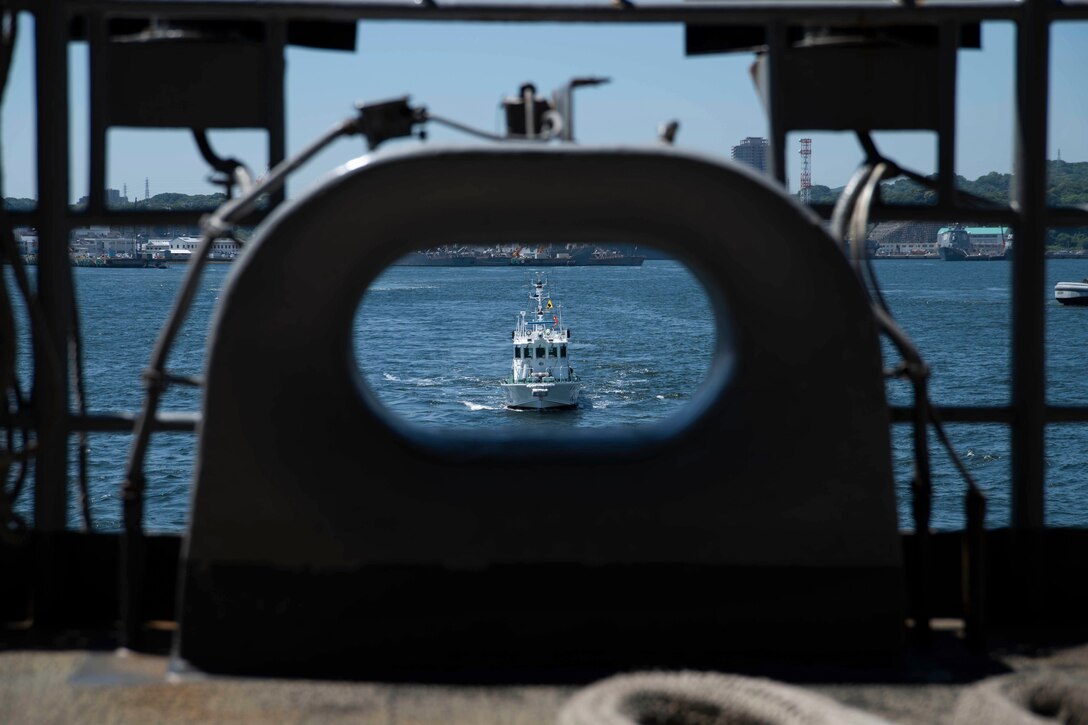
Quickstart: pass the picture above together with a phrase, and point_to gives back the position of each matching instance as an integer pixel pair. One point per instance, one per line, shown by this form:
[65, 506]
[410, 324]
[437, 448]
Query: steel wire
[156, 379]
[859, 198]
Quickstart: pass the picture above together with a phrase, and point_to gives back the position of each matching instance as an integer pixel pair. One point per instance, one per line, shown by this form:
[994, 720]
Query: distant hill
[167, 201]
[1067, 185]
[13, 204]
[159, 202]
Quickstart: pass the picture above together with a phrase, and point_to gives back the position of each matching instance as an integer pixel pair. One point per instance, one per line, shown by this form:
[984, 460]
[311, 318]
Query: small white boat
[1072, 293]
[541, 376]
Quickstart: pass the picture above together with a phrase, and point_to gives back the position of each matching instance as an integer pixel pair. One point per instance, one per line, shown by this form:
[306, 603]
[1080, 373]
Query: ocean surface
[641, 342]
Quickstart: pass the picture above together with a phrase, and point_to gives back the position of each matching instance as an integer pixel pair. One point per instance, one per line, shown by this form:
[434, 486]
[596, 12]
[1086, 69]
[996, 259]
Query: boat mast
[538, 295]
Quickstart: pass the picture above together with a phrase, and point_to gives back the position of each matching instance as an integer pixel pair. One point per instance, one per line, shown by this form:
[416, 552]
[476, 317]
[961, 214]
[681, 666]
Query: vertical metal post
[948, 35]
[96, 189]
[922, 501]
[567, 112]
[1029, 268]
[54, 282]
[777, 41]
[528, 96]
[275, 112]
[50, 396]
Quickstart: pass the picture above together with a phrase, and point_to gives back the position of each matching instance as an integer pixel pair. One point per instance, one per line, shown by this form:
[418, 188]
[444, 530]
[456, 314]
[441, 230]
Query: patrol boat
[541, 376]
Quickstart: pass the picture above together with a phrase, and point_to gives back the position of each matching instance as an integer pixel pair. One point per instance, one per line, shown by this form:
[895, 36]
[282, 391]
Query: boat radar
[541, 376]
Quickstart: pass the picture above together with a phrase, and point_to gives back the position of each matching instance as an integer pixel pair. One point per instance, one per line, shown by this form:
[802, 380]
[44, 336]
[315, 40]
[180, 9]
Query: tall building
[752, 151]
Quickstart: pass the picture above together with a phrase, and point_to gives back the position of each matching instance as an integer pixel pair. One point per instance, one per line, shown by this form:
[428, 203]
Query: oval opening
[536, 338]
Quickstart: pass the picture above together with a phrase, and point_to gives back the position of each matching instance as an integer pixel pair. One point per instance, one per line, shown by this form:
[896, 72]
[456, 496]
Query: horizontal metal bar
[913, 212]
[1053, 414]
[886, 12]
[1067, 414]
[187, 421]
[1075, 11]
[1057, 217]
[164, 216]
[1066, 217]
[958, 414]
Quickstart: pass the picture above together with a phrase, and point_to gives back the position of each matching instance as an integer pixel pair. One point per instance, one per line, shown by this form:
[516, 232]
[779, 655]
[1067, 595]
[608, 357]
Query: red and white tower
[805, 194]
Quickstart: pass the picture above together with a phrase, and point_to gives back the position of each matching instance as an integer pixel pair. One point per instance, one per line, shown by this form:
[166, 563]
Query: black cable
[468, 129]
[858, 198]
[873, 156]
[859, 227]
[902, 341]
[75, 346]
[156, 379]
[12, 526]
[844, 205]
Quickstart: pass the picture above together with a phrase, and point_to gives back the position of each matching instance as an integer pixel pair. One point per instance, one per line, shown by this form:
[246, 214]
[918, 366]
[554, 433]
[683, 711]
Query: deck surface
[77, 686]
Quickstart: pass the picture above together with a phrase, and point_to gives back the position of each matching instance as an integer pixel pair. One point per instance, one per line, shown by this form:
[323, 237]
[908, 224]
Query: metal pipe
[96, 189]
[777, 41]
[886, 12]
[1029, 268]
[50, 396]
[54, 281]
[946, 123]
[276, 111]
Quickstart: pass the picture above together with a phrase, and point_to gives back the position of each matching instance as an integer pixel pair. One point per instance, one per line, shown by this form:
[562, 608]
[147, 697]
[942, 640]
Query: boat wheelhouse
[541, 375]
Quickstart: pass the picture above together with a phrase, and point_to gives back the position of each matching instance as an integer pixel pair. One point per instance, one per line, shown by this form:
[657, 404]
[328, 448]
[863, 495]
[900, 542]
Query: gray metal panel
[186, 84]
[793, 448]
[318, 514]
[847, 88]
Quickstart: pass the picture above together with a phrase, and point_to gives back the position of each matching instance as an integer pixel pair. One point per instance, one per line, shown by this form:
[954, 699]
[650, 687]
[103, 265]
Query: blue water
[434, 342]
[957, 314]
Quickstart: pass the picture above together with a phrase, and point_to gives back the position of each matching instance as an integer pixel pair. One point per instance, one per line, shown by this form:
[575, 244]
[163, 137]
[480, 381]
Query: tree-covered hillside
[1067, 185]
[159, 202]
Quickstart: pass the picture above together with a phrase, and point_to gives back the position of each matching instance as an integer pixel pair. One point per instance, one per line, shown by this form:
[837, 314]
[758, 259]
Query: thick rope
[704, 698]
[1025, 698]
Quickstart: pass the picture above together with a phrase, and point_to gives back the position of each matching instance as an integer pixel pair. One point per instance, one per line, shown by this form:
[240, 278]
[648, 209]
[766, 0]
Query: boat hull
[953, 254]
[620, 261]
[541, 396]
[1074, 294]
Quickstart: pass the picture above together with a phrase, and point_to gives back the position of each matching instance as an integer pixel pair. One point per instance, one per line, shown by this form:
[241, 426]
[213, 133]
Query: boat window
[540, 352]
[552, 352]
[517, 352]
[562, 351]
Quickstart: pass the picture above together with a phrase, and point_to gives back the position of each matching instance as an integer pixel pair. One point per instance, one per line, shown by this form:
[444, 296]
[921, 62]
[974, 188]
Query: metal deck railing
[1027, 415]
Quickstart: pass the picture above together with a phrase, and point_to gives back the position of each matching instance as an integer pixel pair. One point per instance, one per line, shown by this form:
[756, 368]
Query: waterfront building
[114, 199]
[181, 249]
[904, 239]
[753, 152]
[26, 241]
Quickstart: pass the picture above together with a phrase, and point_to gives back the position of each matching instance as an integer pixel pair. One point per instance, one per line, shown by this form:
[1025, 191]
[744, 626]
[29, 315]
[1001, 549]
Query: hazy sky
[462, 71]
